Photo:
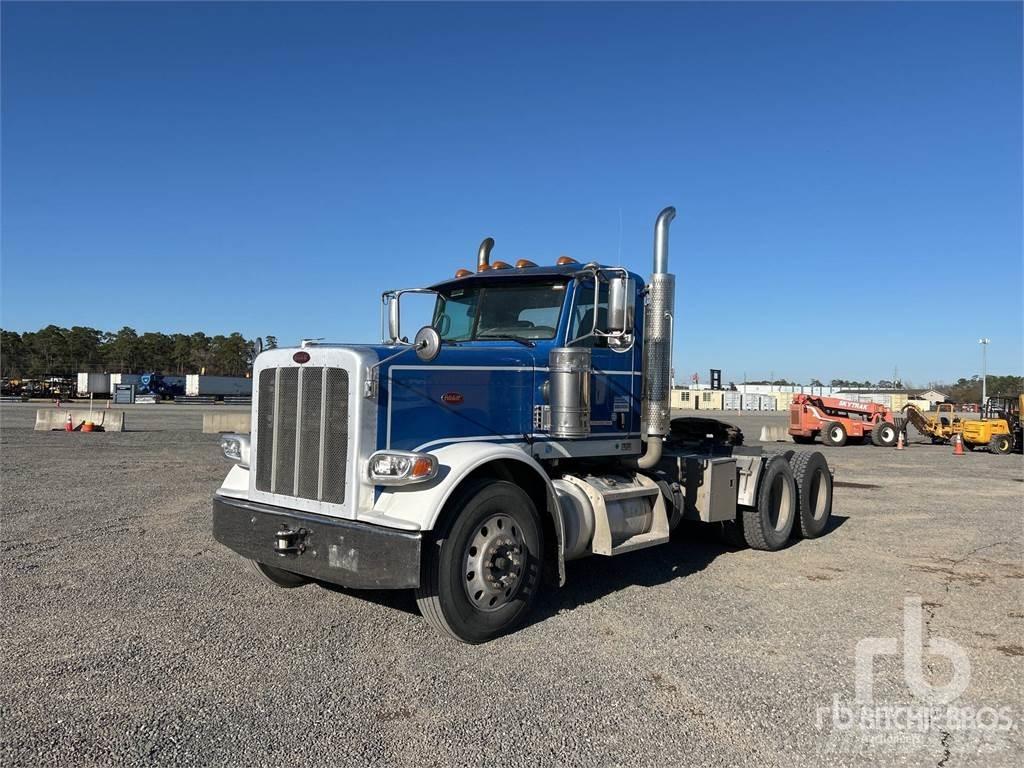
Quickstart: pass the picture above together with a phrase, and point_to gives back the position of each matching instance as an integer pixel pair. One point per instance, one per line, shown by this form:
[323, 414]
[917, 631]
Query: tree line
[56, 351]
[969, 390]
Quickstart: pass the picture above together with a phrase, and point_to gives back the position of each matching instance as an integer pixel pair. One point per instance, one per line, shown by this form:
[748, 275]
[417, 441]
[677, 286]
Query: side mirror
[427, 343]
[394, 319]
[619, 294]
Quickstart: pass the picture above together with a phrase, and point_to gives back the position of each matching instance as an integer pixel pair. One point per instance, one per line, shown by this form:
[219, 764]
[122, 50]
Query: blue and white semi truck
[526, 426]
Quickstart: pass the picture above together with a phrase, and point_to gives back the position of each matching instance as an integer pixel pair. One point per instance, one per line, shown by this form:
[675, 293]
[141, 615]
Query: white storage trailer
[218, 386]
[93, 384]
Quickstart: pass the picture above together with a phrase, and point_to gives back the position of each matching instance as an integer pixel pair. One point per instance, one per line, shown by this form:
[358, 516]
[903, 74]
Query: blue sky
[848, 176]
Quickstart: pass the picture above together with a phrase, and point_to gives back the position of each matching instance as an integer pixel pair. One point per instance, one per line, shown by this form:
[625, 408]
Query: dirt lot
[131, 637]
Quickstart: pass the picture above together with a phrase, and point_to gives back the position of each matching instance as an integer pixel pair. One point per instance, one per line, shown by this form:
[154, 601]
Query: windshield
[517, 310]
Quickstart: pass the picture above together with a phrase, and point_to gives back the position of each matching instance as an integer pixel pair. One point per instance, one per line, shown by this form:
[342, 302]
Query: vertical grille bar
[323, 433]
[264, 428]
[298, 430]
[307, 466]
[285, 431]
[335, 461]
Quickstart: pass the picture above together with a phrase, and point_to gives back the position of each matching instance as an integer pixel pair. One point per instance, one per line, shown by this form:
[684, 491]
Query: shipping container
[235, 386]
[93, 384]
[731, 401]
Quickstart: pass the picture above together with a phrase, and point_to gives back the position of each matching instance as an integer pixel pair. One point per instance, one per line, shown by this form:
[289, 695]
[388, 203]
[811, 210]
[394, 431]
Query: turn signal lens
[401, 467]
[421, 468]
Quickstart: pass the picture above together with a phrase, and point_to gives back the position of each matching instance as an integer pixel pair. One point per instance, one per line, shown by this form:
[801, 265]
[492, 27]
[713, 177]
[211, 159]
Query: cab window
[582, 321]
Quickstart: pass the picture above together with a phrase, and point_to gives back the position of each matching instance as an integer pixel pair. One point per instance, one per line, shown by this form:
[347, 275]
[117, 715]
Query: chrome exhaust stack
[483, 255]
[658, 327]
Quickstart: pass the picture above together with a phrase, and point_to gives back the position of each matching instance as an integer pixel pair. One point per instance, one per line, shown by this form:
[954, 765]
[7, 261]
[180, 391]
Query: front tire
[1000, 444]
[834, 434]
[884, 434]
[277, 576]
[482, 571]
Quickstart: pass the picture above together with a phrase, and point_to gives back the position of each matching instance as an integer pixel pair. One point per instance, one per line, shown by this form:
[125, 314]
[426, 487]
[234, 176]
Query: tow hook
[289, 542]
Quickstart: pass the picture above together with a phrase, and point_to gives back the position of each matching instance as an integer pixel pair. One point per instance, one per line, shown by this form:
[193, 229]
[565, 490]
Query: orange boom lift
[837, 420]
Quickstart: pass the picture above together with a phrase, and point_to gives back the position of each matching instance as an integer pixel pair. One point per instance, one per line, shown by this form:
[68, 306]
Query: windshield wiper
[507, 337]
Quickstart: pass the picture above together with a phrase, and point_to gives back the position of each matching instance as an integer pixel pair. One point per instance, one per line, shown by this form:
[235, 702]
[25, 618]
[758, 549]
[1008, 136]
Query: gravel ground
[131, 637]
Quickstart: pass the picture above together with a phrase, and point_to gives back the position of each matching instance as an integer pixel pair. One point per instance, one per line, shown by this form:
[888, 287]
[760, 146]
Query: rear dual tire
[814, 493]
[768, 525]
[794, 501]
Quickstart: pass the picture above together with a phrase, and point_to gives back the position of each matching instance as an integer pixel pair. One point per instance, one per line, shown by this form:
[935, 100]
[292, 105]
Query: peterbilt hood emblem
[301, 357]
[452, 398]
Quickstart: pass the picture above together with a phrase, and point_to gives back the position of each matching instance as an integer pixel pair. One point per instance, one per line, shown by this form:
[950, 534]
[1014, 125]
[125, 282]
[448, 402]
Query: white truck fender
[418, 506]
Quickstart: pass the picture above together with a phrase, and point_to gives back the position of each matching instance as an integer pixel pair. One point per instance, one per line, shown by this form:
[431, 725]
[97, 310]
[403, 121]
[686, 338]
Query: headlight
[401, 467]
[236, 448]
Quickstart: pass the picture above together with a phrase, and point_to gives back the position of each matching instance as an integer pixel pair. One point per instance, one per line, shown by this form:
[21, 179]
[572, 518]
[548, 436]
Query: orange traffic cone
[899, 442]
[958, 445]
[68, 426]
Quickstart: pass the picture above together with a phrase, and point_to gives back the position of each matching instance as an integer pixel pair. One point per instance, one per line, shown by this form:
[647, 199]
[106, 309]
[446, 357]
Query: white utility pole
[984, 390]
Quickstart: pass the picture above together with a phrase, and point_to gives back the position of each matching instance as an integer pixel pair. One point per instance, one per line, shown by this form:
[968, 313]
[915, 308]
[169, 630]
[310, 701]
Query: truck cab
[528, 424]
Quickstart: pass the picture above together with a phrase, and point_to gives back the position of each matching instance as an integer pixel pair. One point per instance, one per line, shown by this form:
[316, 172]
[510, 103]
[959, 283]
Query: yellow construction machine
[999, 427]
[940, 427]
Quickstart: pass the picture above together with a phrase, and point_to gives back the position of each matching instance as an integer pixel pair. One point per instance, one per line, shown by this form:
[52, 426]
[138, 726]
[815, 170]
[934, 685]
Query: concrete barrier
[774, 434]
[216, 423]
[55, 418]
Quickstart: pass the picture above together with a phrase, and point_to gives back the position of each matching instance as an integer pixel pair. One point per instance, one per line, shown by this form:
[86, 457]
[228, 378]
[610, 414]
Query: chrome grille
[302, 432]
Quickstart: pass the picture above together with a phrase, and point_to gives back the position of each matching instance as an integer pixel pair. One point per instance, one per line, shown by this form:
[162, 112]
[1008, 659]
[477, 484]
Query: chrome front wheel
[494, 562]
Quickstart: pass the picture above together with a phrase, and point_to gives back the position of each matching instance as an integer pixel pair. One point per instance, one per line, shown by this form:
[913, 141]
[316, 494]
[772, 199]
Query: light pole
[984, 348]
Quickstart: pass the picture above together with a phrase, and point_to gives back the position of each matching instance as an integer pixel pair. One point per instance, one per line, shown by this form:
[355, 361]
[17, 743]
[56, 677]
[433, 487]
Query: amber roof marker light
[563, 260]
[522, 263]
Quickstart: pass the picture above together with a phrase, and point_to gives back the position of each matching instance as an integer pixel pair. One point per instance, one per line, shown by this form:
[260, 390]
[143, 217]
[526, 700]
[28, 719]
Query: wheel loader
[998, 429]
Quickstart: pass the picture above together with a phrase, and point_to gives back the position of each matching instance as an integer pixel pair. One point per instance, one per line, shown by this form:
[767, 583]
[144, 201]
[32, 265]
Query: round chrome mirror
[427, 343]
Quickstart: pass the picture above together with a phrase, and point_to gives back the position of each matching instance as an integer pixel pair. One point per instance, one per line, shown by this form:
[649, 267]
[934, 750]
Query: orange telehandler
[837, 420]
